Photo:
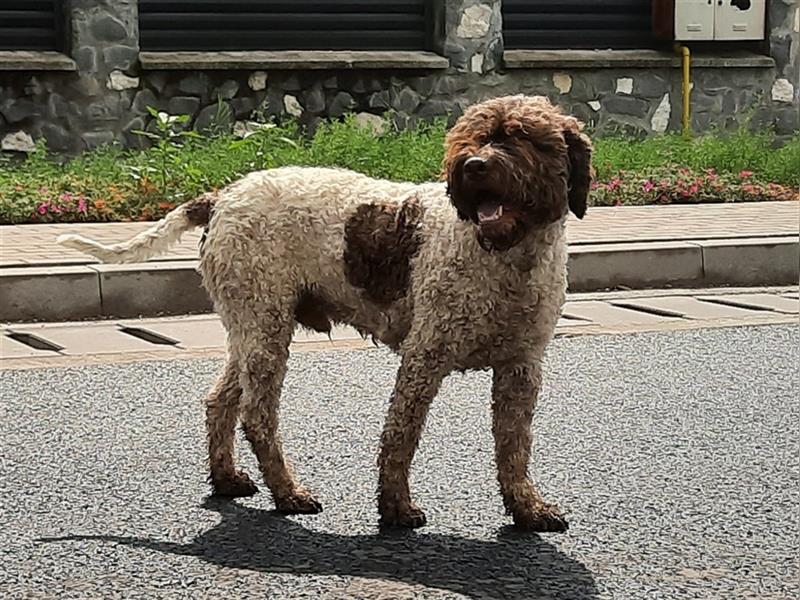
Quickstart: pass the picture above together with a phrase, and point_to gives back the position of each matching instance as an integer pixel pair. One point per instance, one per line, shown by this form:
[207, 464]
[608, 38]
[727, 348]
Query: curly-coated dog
[470, 274]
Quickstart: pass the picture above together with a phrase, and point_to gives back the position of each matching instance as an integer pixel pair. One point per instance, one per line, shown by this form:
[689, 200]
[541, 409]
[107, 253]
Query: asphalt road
[676, 456]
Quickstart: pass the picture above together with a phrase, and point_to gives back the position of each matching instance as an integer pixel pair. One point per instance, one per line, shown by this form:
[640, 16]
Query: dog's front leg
[514, 392]
[418, 380]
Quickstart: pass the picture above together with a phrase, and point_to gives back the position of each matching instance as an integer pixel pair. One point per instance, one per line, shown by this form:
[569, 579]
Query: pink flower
[745, 174]
[82, 207]
[42, 208]
[613, 184]
[648, 186]
[694, 188]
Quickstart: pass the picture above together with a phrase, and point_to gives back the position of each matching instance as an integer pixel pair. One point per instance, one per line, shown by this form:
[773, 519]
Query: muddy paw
[546, 518]
[299, 503]
[410, 517]
[237, 485]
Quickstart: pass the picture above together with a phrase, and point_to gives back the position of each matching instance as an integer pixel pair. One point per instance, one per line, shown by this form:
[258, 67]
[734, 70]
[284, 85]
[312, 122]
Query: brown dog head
[516, 164]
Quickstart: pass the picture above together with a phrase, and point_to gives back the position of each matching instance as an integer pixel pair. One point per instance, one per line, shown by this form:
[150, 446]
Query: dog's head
[516, 164]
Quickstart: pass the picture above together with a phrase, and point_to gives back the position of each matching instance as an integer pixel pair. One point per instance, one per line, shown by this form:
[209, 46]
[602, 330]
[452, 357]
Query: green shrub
[111, 184]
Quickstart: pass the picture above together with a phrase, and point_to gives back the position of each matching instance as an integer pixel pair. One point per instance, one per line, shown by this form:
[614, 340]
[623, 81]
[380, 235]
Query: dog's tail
[150, 243]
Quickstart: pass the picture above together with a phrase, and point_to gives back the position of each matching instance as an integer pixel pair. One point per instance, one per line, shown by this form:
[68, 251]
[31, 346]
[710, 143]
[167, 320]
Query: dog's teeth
[499, 212]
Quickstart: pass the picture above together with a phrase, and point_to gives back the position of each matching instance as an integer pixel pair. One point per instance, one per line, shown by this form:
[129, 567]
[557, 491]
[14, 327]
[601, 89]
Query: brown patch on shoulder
[311, 313]
[380, 241]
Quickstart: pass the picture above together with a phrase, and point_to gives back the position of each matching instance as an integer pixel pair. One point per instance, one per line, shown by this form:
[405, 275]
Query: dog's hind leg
[222, 412]
[514, 392]
[263, 350]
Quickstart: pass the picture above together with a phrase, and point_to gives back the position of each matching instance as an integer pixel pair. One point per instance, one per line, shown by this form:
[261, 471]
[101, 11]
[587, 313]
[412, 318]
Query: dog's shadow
[514, 565]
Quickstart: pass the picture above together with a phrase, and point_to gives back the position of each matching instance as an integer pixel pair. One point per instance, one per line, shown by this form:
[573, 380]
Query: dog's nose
[475, 166]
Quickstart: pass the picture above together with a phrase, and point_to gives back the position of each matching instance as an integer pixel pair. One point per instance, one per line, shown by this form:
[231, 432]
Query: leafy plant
[168, 138]
[111, 183]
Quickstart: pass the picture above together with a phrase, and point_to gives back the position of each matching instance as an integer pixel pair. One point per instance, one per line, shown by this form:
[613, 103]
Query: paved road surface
[675, 454]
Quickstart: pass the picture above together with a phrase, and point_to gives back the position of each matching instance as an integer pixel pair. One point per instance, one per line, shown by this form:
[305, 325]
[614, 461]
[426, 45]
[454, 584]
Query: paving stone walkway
[34, 245]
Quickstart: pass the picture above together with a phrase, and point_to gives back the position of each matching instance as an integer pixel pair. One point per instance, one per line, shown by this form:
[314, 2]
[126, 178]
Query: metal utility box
[694, 19]
[719, 20]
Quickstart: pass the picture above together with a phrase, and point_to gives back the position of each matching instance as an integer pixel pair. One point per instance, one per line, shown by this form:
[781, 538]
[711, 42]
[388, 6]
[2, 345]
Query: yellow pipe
[686, 59]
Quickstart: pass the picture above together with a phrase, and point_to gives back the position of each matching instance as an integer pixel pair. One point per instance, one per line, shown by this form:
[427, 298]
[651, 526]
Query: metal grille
[30, 24]
[577, 24]
[208, 25]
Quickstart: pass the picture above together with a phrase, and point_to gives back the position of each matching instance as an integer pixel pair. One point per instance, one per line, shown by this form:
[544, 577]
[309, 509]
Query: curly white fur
[278, 238]
[146, 245]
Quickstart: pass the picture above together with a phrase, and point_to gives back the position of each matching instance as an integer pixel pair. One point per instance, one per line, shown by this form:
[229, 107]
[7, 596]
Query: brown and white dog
[467, 275]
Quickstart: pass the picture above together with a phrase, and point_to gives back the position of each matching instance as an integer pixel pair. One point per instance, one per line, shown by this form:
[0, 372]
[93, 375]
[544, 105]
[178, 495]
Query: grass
[111, 184]
[740, 150]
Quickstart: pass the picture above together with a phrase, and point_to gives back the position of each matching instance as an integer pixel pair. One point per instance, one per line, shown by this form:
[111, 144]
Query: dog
[468, 273]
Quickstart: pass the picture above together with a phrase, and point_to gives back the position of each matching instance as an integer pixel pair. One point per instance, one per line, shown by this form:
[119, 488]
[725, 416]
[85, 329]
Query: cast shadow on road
[512, 566]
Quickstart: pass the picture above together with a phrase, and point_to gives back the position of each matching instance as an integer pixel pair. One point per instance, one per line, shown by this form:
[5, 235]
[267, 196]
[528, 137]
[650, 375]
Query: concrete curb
[174, 287]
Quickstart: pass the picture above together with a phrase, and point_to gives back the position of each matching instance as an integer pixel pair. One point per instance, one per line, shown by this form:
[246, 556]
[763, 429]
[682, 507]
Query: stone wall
[105, 98]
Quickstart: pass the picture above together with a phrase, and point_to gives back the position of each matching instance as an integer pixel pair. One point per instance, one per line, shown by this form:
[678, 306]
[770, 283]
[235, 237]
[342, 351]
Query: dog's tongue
[489, 211]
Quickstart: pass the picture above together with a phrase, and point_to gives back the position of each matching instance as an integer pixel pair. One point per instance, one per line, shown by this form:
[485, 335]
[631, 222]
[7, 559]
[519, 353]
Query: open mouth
[489, 211]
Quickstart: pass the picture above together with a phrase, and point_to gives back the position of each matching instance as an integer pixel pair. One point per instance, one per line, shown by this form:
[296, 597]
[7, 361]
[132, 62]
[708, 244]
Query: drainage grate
[570, 317]
[737, 304]
[148, 336]
[651, 310]
[34, 341]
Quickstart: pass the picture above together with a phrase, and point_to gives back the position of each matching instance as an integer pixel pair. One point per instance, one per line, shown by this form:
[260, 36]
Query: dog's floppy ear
[579, 154]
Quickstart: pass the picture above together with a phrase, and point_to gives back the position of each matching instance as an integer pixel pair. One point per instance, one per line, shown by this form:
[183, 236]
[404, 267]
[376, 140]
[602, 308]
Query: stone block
[650, 85]
[58, 139]
[379, 100]
[475, 21]
[257, 81]
[627, 105]
[16, 110]
[434, 108]
[17, 141]
[142, 100]
[227, 90]
[117, 80]
[48, 293]
[218, 116]
[423, 85]
[406, 100]
[562, 82]
[634, 265]
[120, 57]
[85, 58]
[374, 122]
[97, 139]
[292, 106]
[57, 106]
[783, 91]
[342, 103]
[150, 289]
[108, 29]
[315, 100]
[752, 261]
[196, 84]
[243, 106]
[183, 105]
